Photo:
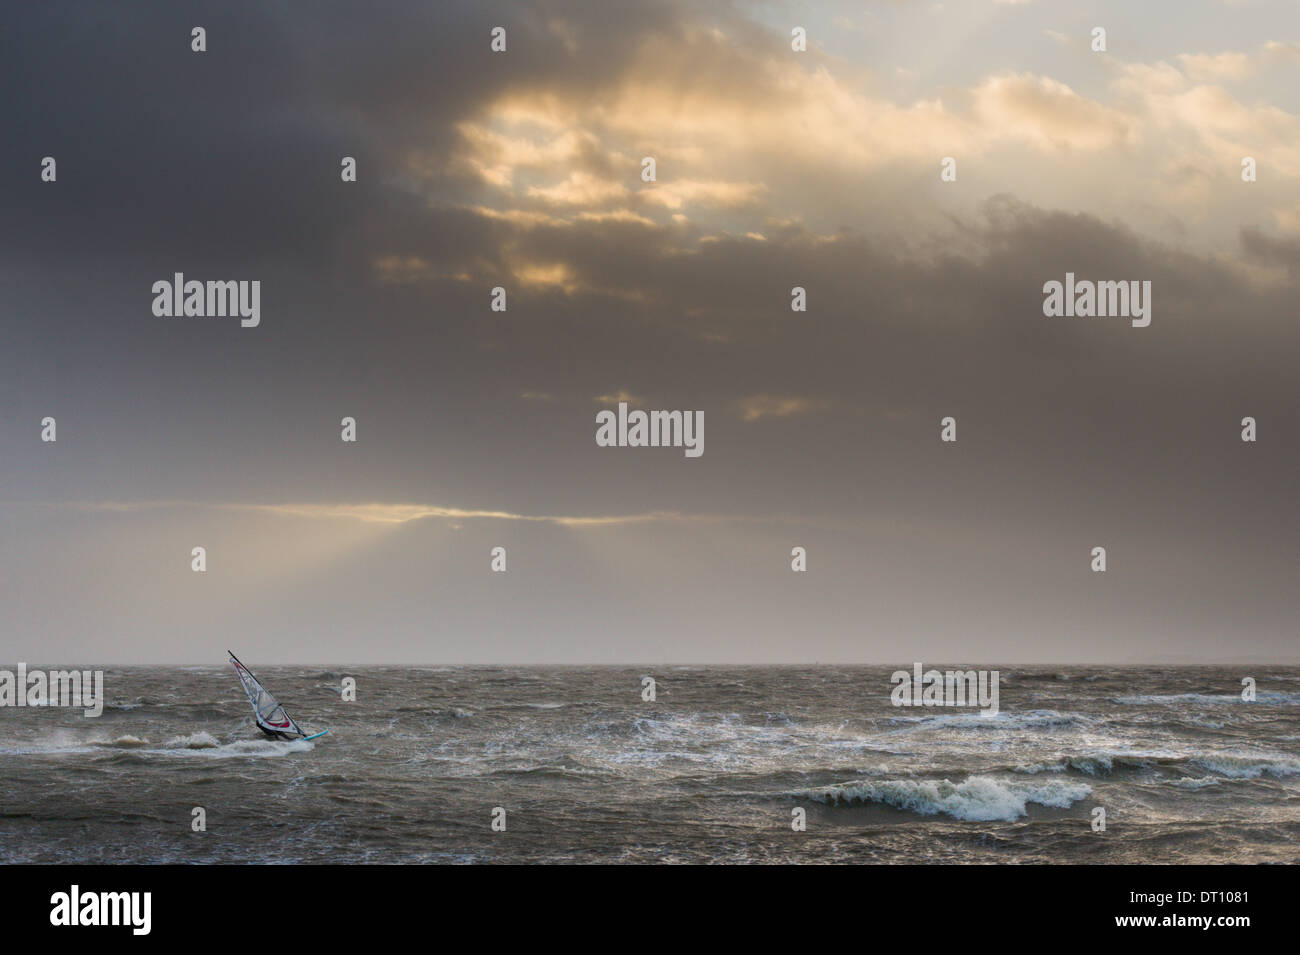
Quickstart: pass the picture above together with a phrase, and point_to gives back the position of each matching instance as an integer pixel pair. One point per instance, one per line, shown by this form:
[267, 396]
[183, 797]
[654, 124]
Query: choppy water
[709, 772]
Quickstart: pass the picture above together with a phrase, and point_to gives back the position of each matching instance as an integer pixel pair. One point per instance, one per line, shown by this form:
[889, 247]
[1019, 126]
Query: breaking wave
[1233, 765]
[975, 799]
[1249, 765]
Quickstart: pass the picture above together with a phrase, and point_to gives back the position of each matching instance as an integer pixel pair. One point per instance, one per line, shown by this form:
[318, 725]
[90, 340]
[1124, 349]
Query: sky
[774, 168]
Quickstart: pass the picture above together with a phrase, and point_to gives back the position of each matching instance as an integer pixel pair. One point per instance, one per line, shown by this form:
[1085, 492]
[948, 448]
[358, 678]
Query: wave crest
[975, 799]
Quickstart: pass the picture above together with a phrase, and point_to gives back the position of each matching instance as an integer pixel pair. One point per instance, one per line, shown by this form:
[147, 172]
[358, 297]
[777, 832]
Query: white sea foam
[975, 799]
[1234, 765]
[1101, 762]
[1271, 697]
[1249, 765]
[200, 743]
[1030, 719]
[1033, 769]
[194, 746]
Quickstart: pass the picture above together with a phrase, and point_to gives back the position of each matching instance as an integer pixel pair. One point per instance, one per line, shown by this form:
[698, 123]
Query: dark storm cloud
[165, 151]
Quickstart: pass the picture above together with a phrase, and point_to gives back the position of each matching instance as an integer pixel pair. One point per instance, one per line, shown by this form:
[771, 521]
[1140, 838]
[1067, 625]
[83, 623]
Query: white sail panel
[267, 710]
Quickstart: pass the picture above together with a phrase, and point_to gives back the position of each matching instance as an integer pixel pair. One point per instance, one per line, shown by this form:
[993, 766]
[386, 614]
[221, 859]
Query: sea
[726, 764]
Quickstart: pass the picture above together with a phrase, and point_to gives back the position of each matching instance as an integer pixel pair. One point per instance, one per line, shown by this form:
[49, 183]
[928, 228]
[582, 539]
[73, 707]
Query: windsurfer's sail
[270, 715]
